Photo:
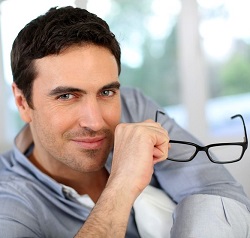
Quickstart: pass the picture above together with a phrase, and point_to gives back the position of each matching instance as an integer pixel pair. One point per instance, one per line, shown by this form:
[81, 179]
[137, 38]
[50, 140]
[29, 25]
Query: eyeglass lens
[219, 154]
[225, 153]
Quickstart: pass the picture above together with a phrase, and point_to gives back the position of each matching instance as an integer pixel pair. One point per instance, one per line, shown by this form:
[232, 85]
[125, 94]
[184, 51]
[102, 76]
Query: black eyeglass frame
[199, 148]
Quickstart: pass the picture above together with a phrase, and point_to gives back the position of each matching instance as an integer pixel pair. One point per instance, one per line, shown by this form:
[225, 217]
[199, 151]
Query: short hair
[50, 34]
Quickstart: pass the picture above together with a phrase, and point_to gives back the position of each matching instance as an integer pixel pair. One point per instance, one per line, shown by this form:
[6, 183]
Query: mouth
[88, 143]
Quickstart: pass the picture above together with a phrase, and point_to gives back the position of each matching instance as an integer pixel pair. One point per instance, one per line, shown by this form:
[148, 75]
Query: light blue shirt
[34, 205]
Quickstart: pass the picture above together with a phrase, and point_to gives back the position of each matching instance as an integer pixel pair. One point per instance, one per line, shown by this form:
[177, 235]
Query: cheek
[113, 115]
[53, 120]
[62, 122]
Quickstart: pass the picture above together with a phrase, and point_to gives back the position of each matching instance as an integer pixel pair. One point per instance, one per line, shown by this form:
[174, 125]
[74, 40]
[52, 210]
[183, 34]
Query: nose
[91, 116]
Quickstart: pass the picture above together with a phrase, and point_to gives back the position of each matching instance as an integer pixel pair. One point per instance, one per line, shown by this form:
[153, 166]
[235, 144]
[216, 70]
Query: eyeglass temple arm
[156, 114]
[237, 115]
[244, 125]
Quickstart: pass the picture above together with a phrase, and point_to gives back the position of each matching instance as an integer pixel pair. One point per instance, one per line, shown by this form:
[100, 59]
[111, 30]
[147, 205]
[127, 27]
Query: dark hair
[53, 32]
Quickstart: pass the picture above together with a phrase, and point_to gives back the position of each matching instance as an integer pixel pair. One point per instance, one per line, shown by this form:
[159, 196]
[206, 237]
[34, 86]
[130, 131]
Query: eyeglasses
[220, 153]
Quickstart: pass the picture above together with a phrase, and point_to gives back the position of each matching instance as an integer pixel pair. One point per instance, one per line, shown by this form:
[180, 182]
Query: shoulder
[133, 95]
[136, 106]
[17, 210]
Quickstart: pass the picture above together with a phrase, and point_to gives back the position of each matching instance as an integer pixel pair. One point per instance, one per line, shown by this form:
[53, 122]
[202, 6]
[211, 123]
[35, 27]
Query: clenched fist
[137, 147]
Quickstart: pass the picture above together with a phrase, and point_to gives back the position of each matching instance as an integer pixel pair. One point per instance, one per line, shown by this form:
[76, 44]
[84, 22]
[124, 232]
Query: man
[76, 170]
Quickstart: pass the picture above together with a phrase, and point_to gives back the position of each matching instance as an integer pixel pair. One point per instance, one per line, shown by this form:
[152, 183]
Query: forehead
[89, 64]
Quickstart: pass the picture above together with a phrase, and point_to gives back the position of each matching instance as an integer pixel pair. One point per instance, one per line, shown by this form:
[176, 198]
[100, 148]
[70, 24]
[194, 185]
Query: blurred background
[190, 56]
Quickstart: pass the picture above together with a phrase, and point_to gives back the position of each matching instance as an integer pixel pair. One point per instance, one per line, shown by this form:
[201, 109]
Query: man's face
[76, 108]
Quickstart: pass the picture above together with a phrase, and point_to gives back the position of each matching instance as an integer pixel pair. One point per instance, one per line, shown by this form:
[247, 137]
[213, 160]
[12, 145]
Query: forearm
[109, 217]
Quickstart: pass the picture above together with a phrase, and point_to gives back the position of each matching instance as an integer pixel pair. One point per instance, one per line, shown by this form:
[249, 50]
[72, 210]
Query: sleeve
[17, 219]
[180, 180]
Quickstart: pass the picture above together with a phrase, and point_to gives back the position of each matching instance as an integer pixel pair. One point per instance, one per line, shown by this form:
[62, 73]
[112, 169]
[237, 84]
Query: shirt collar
[24, 139]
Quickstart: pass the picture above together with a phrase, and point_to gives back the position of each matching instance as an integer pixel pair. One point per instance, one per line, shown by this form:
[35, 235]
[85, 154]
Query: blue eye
[66, 96]
[107, 93]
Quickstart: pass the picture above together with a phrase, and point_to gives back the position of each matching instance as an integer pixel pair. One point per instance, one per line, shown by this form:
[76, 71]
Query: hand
[137, 147]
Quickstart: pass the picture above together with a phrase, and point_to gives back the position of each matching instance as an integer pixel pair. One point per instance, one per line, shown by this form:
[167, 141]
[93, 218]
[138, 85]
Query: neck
[91, 183]
[87, 183]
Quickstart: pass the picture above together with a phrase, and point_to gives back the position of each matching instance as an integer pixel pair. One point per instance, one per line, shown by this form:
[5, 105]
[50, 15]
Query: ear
[21, 103]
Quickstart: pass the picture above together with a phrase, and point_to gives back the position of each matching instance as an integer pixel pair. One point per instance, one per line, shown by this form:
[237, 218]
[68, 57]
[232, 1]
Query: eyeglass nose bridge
[201, 148]
[205, 149]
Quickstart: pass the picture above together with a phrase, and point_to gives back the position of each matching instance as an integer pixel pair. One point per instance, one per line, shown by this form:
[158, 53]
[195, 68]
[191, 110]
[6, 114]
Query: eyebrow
[115, 85]
[65, 89]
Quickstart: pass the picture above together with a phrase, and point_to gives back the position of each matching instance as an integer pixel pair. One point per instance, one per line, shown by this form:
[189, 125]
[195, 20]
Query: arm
[17, 219]
[109, 217]
[137, 148]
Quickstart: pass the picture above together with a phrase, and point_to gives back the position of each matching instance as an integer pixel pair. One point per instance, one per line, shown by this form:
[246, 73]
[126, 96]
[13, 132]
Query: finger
[152, 123]
[160, 153]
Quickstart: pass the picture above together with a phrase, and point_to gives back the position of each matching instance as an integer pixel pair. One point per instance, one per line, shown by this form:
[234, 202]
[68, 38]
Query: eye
[66, 96]
[107, 93]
